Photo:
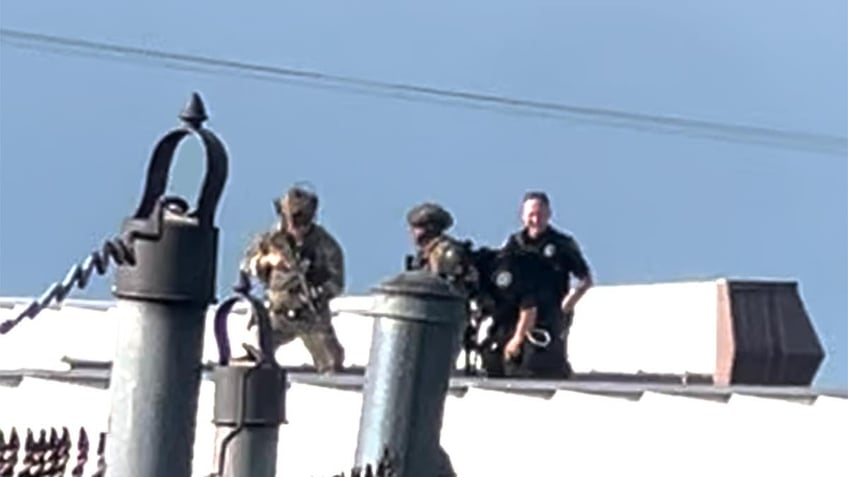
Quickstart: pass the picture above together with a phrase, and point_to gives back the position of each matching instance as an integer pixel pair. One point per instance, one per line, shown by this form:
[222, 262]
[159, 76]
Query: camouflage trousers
[318, 336]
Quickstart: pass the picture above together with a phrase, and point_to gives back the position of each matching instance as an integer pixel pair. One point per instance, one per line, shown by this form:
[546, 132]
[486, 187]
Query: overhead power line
[784, 139]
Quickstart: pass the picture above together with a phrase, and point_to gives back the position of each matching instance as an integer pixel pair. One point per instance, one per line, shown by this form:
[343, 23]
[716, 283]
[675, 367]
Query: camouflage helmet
[299, 204]
[429, 216]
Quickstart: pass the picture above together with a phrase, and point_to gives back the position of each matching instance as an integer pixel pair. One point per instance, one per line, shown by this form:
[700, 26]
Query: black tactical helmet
[299, 205]
[430, 216]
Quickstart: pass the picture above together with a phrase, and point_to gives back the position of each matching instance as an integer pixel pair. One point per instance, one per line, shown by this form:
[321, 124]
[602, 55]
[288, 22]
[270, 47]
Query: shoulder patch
[503, 278]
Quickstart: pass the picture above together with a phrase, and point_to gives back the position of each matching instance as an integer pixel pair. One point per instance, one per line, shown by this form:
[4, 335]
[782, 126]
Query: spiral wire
[118, 250]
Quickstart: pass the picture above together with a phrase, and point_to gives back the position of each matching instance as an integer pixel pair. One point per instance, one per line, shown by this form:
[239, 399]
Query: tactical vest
[450, 259]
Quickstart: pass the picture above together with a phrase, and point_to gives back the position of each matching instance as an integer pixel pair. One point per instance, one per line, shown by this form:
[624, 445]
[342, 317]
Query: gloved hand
[314, 294]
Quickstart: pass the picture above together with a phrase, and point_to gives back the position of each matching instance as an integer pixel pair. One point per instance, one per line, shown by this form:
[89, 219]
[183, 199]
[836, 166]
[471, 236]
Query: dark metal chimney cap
[418, 283]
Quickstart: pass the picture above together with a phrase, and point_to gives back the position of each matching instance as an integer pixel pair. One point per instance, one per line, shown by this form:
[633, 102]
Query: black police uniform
[510, 282]
[563, 258]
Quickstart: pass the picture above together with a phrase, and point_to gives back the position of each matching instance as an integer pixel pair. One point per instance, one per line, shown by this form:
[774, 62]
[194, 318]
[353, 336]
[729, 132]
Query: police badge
[549, 250]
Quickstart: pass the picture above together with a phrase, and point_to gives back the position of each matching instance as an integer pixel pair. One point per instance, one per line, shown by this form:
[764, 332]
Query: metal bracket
[258, 312]
[193, 116]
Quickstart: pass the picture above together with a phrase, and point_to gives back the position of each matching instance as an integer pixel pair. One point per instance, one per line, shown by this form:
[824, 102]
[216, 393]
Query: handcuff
[539, 337]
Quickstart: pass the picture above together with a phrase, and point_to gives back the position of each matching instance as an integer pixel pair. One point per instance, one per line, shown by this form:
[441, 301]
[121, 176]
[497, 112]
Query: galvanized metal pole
[162, 304]
[250, 401]
[418, 318]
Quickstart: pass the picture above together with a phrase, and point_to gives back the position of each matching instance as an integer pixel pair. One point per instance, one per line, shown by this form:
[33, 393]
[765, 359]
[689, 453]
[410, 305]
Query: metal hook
[193, 116]
[258, 312]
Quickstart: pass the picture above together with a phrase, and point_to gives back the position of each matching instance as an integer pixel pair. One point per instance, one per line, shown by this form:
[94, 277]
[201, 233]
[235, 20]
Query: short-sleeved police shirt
[509, 280]
[560, 252]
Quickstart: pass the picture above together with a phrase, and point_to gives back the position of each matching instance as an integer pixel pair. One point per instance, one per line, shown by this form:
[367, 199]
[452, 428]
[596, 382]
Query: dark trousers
[533, 361]
[567, 319]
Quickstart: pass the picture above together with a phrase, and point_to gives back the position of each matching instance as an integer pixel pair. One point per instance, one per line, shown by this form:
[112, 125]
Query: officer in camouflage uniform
[438, 252]
[302, 268]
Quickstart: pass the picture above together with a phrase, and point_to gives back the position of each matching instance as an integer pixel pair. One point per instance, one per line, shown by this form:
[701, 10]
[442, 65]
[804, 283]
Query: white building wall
[490, 432]
[496, 433]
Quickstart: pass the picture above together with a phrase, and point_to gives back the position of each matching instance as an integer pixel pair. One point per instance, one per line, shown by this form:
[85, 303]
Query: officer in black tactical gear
[513, 294]
[563, 259]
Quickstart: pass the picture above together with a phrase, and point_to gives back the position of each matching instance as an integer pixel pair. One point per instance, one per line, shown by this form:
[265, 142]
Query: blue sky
[76, 133]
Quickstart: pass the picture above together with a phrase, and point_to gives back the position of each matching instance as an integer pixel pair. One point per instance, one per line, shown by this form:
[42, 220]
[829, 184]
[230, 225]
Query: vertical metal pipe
[250, 398]
[417, 318]
[155, 385]
[249, 408]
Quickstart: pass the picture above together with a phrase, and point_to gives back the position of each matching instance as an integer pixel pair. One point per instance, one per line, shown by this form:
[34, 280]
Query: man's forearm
[526, 322]
[570, 301]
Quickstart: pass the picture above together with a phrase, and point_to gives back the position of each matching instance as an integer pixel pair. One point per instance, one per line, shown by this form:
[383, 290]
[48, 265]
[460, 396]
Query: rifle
[295, 266]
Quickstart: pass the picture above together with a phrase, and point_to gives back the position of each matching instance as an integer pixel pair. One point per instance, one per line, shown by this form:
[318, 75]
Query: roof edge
[459, 384]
